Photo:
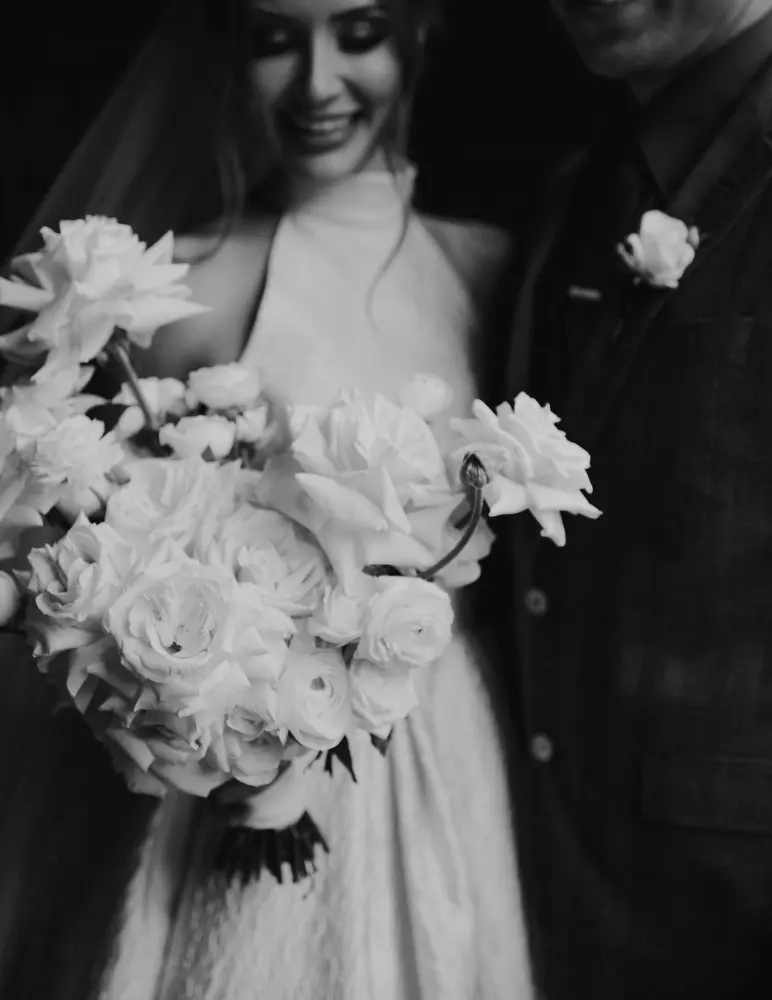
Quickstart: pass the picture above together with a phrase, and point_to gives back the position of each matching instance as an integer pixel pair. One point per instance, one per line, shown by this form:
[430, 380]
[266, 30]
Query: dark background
[504, 99]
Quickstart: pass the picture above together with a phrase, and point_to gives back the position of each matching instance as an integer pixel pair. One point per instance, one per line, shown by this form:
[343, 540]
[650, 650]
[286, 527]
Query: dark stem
[117, 348]
[474, 520]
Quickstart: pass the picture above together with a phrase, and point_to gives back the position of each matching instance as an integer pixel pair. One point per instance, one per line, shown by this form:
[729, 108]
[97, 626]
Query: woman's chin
[330, 166]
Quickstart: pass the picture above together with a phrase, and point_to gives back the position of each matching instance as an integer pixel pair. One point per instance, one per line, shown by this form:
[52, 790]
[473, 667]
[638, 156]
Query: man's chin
[625, 59]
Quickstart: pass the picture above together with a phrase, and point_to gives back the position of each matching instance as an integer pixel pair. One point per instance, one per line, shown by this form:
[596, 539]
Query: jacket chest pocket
[720, 793]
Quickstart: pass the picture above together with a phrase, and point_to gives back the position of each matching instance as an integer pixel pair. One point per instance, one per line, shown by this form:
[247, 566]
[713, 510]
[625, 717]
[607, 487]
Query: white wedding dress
[418, 898]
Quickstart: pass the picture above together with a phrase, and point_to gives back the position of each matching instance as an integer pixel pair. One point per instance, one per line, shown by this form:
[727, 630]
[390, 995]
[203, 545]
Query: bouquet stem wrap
[269, 829]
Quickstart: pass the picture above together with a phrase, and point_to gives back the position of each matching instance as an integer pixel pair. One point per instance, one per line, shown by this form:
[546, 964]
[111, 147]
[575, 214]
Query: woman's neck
[295, 188]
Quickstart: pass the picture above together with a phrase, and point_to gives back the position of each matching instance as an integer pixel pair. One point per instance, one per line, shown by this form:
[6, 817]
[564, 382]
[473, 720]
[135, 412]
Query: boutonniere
[661, 251]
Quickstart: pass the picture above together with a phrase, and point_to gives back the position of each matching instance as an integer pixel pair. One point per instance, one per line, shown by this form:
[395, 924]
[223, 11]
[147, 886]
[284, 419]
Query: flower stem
[117, 349]
[474, 520]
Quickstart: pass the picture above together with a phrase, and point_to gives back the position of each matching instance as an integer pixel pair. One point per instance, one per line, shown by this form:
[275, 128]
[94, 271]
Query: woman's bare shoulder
[217, 263]
[475, 238]
[478, 251]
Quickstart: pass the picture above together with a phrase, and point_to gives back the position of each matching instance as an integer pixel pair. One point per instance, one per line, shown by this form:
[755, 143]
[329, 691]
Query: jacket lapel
[518, 358]
[717, 193]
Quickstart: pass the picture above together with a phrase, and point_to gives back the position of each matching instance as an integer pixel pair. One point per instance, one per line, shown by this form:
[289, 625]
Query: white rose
[166, 498]
[187, 632]
[160, 747]
[661, 251]
[427, 395]
[193, 436]
[164, 397]
[363, 464]
[92, 276]
[530, 463]
[380, 698]
[372, 447]
[77, 579]
[265, 548]
[224, 387]
[407, 621]
[314, 698]
[338, 617]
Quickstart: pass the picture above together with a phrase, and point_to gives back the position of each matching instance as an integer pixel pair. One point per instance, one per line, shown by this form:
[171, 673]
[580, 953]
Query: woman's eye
[267, 41]
[363, 35]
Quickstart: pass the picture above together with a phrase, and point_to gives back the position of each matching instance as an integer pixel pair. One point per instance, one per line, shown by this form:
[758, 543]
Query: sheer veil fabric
[149, 157]
[71, 831]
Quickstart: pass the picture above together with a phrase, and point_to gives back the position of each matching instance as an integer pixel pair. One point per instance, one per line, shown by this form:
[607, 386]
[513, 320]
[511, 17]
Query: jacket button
[536, 603]
[542, 749]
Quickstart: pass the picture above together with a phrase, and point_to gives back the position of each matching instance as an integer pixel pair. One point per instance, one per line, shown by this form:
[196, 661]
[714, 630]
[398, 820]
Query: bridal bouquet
[226, 587]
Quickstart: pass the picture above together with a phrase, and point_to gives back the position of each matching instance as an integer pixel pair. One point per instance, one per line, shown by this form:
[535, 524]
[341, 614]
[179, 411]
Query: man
[643, 699]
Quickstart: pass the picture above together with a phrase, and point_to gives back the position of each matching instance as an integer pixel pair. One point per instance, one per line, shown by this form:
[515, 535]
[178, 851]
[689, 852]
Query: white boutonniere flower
[661, 251]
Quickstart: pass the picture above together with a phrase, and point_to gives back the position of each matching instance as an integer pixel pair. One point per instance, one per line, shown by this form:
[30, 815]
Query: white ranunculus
[167, 498]
[254, 761]
[381, 698]
[314, 698]
[252, 425]
[224, 387]
[191, 437]
[661, 251]
[165, 397]
[77, 450]
[338, 616]
[530, 463]
[92, 276]
[427, 395]
[407, 622]
[73, 459]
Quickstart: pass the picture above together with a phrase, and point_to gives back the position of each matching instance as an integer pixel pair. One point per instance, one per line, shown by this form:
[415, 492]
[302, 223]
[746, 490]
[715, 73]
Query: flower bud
[473, 472]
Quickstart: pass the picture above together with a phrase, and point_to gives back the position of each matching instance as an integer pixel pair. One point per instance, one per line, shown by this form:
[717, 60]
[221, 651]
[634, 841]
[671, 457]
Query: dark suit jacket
[639, 671]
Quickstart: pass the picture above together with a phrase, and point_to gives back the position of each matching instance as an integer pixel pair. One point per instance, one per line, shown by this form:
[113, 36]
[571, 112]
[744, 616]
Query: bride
[324, 278]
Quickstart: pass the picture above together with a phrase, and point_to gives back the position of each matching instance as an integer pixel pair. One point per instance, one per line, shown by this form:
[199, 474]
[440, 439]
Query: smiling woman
[326, 79]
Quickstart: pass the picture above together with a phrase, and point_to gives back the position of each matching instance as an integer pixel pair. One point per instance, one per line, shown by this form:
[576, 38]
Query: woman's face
[325, 76]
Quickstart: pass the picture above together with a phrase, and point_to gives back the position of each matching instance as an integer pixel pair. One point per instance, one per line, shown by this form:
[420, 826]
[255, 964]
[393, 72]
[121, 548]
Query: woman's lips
[320, 133]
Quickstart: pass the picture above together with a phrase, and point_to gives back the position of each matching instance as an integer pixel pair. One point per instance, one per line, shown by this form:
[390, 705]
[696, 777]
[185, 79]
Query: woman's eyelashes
[353, 36]
[363, 33]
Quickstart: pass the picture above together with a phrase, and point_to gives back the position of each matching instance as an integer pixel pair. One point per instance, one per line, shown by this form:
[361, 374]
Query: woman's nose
[323, 72]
